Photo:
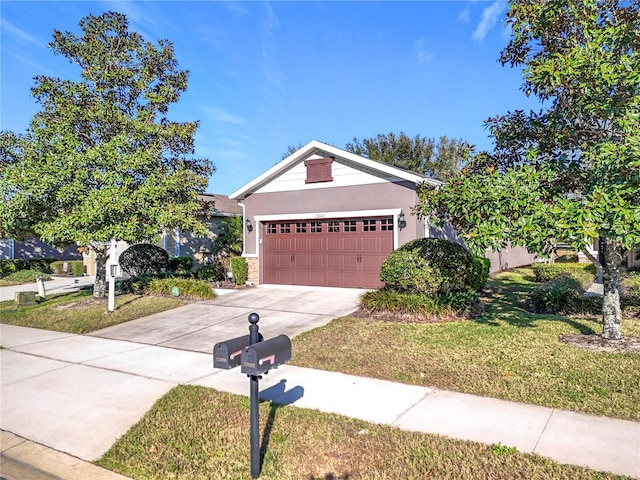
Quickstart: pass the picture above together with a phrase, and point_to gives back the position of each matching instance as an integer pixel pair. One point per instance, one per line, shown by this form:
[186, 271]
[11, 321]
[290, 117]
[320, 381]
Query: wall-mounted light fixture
[248, 225]
[401, 221]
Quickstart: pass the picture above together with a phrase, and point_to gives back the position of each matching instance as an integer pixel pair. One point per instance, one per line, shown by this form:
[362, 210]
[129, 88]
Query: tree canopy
[571, 172]
[439, 159]
[101, 160]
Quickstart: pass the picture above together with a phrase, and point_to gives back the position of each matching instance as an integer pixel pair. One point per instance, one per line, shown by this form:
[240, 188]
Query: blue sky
[267, 75]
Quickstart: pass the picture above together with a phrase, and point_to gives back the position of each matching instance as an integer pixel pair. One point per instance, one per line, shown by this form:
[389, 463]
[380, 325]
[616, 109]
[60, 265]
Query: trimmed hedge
[432, 266]
[212, 273]
[544, 272]
[239, 269]
[481, 266]
[7, 267]
[74, 267]
[43, 265]
[181, 265]
[563, 295]
[143, 259]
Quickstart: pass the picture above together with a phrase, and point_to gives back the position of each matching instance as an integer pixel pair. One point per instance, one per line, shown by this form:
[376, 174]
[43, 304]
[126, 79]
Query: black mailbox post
[256, 357]
[262, 357]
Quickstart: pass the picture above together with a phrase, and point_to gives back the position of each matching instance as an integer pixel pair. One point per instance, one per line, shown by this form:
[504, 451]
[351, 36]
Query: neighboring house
[324, 216]
[184, 244]
[32, 247]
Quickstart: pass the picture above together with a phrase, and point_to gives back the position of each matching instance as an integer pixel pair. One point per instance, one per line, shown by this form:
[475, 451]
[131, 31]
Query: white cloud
[20, 35]
[465, 15]
[421, 50]
[222, 116]
[489, 18]
[273, 75]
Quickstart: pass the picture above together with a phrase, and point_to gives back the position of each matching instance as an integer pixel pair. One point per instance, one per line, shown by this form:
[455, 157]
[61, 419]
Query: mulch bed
[597, 343]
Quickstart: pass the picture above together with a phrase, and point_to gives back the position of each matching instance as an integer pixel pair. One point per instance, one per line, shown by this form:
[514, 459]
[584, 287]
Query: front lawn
[508, 353]
[79, 312]
[198, 433]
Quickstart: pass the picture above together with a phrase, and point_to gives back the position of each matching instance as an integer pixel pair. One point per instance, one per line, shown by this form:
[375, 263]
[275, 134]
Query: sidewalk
[57, 284]
[78, 394]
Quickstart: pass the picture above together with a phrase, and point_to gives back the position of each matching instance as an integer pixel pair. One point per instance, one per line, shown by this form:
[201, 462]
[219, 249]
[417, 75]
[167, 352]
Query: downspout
[244, 235]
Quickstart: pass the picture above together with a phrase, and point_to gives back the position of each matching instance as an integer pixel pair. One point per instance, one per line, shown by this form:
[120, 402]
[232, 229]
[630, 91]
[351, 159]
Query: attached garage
[344, 252]
[327, 217]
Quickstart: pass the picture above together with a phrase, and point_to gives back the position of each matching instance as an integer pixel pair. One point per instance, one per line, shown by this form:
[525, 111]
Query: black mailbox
[227, 354]
[261, 357]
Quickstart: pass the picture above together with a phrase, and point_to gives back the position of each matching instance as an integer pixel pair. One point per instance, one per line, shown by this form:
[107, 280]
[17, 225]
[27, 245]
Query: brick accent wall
[253, 270]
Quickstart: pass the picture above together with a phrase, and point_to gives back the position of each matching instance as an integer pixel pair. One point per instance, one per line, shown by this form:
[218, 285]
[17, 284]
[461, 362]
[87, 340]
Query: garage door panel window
[349, 225]
[369, 225]
[386, 224]
[285, 228]
[316, 227]
[333, 227]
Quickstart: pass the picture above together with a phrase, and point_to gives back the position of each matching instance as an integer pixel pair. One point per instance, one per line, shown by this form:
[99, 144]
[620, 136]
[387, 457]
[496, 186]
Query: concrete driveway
[197, 327]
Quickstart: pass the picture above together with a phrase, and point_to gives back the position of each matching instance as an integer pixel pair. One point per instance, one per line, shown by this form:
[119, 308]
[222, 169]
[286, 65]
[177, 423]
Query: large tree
[101, 161]
[422, 155]
[570, 173]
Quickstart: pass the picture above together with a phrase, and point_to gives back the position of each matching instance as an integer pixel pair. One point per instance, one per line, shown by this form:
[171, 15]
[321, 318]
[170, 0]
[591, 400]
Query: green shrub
[143, 259]
[239, 269]
[74, 267]
[39, 264]
[187, 287]
[77, 268]
[25, 276]
[428, 266]
[481, 267]
[563, 295]
[543, 272]
[464, 303]
[8, 267]
[181, 265]
[213, 273]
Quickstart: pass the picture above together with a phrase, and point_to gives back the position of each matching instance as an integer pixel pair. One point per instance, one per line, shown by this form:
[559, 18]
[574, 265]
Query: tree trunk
[100, 285]
[611, 312]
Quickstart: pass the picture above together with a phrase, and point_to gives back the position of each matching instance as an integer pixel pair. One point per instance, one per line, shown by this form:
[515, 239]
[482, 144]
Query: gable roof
[314, 147]
[223, 206]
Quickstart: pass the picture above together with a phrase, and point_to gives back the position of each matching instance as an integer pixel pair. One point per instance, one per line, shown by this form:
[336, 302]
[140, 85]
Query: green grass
[198, 433]
[22, 276]
[508, 353]
[79, 312]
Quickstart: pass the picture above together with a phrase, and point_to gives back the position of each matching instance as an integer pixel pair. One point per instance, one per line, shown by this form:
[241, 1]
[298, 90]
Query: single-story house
[324, 216]
[32, 247]
[183, 244]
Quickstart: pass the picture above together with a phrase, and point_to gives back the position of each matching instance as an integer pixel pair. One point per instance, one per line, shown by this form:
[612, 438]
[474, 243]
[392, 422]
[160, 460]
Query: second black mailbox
[261, 357]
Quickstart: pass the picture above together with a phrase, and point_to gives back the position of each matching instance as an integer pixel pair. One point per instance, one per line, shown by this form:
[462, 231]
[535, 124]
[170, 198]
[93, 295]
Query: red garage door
[331, 253]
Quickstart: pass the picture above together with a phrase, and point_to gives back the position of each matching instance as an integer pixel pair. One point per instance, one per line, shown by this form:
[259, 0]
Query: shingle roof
[223, 205]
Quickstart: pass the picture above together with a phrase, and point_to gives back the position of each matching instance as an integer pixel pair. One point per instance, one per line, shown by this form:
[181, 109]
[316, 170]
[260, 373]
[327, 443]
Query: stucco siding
[320, 203]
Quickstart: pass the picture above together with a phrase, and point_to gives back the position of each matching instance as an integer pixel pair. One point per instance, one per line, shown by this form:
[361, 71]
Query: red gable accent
[319, 170]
